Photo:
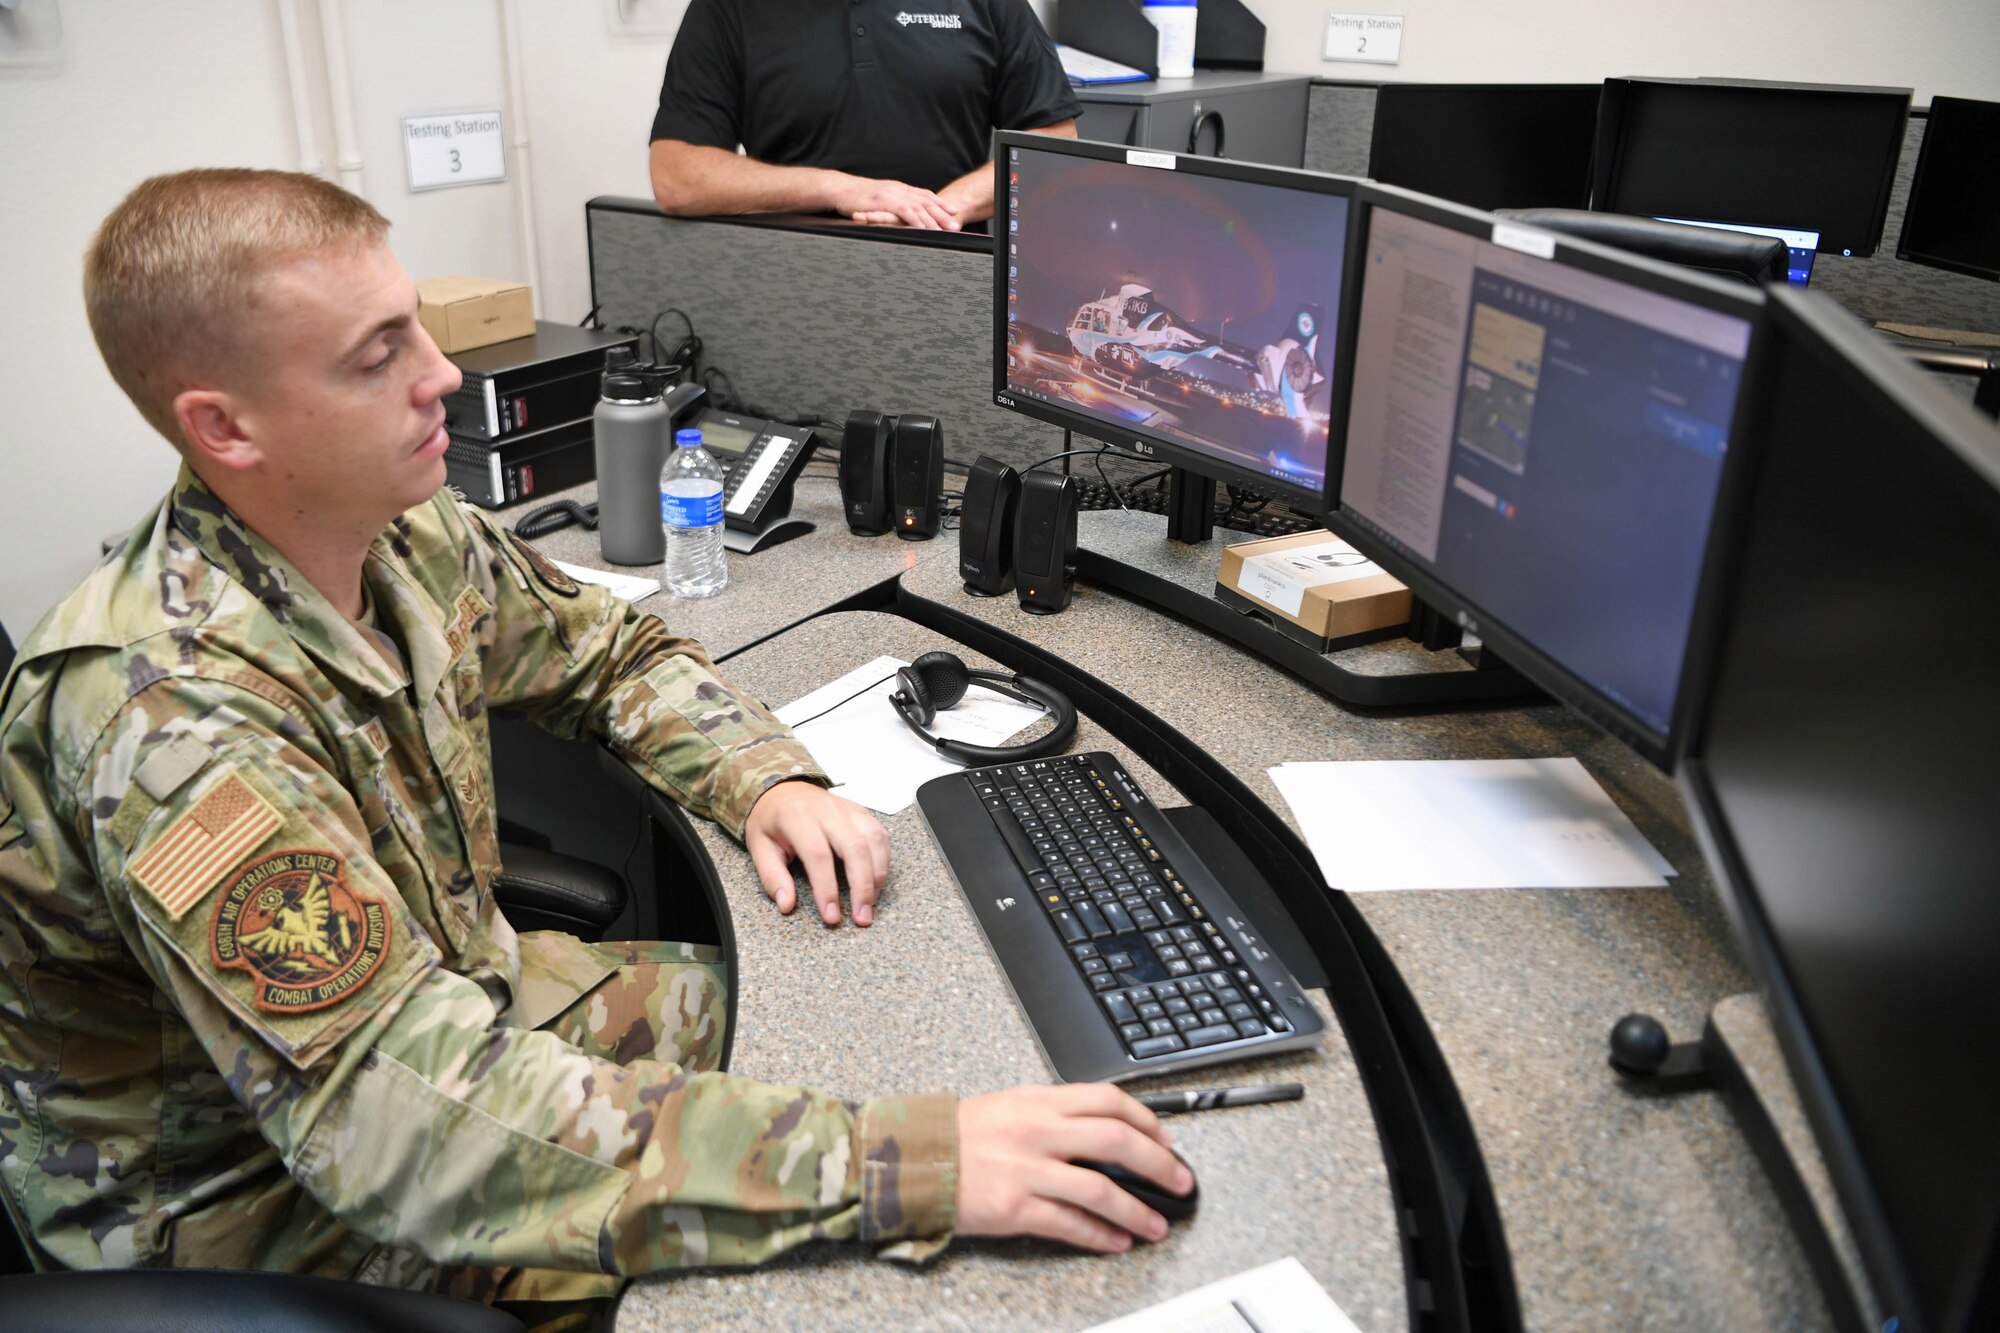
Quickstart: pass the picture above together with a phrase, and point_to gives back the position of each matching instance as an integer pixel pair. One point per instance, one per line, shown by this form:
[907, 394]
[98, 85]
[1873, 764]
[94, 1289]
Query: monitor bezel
[1397, 91]
[1612, 117]
[1903, 250]
[1656, 746]
[1813, 316]
[1149, 444]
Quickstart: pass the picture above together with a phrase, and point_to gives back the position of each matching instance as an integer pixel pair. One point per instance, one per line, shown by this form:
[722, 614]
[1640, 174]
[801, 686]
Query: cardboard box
[462, 313]
[1315, 587]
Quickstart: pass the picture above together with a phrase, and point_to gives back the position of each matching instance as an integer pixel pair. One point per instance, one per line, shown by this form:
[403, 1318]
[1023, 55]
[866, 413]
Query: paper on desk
[628, 586]
[876, 760]
[1277, 1298]
[1466, 824]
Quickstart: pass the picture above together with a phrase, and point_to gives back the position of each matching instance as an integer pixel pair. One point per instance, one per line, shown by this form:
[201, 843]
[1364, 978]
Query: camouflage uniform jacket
[256, 1000]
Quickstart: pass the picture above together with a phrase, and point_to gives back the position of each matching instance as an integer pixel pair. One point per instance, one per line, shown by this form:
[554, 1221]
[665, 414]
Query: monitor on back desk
[1843, 768]
[1953, 217]
[1177, 306]
[1490, 145]
[1801, 247]
[1535, 440]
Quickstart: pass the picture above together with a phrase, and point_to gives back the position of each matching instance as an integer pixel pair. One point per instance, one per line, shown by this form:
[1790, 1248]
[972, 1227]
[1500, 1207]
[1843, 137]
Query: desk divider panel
[812, 319]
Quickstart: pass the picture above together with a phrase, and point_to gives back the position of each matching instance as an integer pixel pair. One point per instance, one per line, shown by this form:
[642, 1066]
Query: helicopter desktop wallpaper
[1196, 308]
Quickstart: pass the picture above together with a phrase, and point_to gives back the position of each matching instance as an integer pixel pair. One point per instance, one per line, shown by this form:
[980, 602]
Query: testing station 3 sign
[462, 148]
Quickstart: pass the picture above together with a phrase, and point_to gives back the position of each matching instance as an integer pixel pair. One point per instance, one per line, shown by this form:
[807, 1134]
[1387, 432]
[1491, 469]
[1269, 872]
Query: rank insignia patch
[545, 568]
[292, 922]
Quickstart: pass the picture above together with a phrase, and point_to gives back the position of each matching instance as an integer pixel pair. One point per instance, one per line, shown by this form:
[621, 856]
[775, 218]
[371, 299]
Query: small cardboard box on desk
[1315, 588]
[462, 313]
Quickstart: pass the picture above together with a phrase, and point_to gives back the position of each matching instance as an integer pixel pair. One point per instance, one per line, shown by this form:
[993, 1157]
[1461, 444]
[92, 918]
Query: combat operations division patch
[292, 922]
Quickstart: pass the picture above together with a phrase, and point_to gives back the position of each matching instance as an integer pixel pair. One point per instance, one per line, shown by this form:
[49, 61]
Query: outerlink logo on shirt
[906, 18]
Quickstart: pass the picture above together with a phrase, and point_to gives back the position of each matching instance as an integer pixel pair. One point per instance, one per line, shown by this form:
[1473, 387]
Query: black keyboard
[1265, 521]
[1127, 955]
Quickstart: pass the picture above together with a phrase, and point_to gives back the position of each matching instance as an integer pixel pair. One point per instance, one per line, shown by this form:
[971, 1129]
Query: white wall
[142, 87]
[1950, 47]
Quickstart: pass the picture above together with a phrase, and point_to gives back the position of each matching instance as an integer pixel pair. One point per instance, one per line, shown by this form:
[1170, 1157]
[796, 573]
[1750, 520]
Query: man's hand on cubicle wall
[803, 822]
[892, 203]
[1016, 1172]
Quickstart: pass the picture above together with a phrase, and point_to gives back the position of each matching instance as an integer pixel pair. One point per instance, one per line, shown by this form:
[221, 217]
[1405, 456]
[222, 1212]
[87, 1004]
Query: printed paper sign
[463, 148]
[1370, 39]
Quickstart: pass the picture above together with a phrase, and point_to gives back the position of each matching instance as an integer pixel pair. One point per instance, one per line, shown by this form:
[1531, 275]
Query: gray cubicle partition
[810, 317]
[1340, 123]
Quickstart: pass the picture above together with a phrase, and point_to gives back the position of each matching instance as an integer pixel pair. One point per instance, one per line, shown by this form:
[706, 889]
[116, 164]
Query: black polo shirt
[906, 90]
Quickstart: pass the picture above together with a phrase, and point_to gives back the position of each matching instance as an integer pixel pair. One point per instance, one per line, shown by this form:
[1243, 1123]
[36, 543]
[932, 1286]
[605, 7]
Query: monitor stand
[1190, 506]
[1123, 551]
[1738, 1056]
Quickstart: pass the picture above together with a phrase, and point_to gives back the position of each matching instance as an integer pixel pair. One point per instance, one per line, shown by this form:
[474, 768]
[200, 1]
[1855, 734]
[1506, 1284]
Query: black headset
[939, 680]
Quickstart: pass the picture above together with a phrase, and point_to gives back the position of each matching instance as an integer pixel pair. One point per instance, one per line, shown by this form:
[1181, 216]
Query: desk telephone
[761, 460]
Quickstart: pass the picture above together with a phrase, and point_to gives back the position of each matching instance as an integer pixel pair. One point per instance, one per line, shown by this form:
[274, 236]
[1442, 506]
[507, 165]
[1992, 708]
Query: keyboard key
[1230, 995]
[1186, 1022]
[1185, 934]
[1208, 1036]
[1157, 1046]
[1117, 918]
[1119, 962]
[1120, 1008]
[1092, 966]
[1178, 967]
[1142, 994]
[1072, 929]
[1132, 1032]
[1176, 1005]
[1249, 1027]
[1103, 981]
[1151, 1009]
[1240, 1011]
[1144, 919]
[1092, 921]
[1166, 909]
[1160, 1027]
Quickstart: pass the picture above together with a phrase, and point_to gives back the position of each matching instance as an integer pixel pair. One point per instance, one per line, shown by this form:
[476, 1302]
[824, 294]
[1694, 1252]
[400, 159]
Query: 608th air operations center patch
[292, 922]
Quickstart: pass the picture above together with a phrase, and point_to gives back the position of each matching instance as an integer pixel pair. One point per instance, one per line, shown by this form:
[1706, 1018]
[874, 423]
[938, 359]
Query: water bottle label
[691, 511]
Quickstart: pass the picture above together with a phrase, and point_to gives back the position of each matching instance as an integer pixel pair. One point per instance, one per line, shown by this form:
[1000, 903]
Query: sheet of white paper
[1466, 824]
[631, 587]
[871, 756]
[1277, 1298]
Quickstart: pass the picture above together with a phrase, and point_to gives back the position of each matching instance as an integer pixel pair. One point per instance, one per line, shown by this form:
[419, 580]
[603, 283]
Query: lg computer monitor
[1953, 218]
[1491, 145]
[1843, 771]
[1177, 306]
[1801, 247]
[1535, 440]
[1805, 157]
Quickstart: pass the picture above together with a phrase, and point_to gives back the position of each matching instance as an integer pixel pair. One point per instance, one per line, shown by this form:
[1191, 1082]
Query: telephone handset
[762, 459]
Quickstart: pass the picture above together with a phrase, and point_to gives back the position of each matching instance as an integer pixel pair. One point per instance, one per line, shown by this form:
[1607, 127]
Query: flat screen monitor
[1953, 217]
[1178, 306]
[1491, 145]
[1801, 247]
[1805, 157]
[1535, 441]
[1843, 771]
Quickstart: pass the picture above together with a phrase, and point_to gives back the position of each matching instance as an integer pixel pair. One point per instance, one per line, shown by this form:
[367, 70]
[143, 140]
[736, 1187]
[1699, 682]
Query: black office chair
[1738, 255]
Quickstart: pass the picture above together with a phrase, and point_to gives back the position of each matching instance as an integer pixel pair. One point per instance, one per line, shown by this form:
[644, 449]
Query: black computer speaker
[986, 527]
[919, 477]
[866, 448]
[1045, 543]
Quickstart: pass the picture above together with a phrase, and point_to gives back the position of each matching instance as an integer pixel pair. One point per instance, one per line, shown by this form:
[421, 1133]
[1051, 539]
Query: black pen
[1209, 1099]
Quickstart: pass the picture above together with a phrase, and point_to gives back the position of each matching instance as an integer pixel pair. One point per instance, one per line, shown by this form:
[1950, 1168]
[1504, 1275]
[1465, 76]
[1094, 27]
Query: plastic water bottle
[691, 513]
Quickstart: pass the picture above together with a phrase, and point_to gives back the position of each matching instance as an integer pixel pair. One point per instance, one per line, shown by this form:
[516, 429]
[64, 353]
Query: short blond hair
[171, 274]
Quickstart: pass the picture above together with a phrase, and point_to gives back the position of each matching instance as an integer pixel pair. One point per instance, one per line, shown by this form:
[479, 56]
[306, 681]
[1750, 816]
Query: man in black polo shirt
[861, 107]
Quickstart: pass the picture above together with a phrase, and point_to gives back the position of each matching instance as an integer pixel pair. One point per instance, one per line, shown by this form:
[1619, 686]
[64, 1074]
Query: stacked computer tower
[520, 424]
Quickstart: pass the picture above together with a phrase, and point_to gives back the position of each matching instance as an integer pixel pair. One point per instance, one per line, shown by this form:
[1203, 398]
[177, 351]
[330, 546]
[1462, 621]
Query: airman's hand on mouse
[1015, 1172]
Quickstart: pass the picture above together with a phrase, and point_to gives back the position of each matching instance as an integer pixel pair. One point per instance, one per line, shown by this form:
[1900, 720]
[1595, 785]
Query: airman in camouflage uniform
[257, 1006]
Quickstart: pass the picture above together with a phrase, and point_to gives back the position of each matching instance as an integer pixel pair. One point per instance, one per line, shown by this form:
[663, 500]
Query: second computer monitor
[1177, 306]
[1535, 440]
[1953, 217]
[1491, 145]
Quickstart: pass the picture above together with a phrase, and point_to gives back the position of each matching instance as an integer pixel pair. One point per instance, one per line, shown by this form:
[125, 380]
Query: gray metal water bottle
[633, 440]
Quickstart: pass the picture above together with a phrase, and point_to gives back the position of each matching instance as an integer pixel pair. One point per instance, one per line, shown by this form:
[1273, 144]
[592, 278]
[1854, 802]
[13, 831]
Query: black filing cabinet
[1246, 117]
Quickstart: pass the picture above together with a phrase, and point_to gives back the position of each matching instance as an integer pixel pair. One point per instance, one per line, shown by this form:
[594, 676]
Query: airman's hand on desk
[1016, 1176]
[889, 203]
[799, 821]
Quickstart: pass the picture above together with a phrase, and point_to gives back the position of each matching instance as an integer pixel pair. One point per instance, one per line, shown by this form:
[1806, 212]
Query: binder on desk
[1088, 71]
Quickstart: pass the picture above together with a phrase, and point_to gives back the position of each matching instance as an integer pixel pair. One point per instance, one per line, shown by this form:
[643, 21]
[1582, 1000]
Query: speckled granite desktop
[917, 1002]
[1621, 1209]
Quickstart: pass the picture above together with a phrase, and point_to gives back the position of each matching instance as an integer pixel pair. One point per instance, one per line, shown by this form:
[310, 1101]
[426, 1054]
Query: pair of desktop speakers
[1016, 530]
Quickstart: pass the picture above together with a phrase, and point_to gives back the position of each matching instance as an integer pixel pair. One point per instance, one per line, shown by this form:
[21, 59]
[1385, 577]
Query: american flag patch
[204, 844]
